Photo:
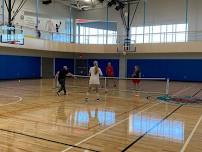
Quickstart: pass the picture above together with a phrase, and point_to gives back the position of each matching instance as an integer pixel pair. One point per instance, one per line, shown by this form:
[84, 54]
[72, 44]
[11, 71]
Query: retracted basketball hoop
[126, 47]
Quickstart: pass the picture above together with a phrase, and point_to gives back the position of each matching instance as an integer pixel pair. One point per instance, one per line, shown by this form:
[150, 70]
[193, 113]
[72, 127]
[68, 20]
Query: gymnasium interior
[163, 38]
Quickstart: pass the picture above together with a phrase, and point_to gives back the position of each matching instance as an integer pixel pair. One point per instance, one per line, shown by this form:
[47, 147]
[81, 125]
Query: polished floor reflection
[33, 118]
[172, 130]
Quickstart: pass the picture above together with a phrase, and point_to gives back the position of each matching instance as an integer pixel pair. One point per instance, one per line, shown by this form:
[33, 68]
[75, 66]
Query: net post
[167, 86]
[105, 84]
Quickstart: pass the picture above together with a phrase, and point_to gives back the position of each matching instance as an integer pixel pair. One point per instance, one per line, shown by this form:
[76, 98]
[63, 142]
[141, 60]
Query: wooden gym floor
[34, 119]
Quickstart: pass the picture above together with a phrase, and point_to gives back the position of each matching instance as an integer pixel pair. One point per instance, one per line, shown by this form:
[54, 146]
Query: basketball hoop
[124, 53]
[125, 48]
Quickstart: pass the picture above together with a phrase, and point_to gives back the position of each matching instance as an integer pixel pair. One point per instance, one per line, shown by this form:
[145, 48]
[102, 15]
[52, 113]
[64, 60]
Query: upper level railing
[17, 35]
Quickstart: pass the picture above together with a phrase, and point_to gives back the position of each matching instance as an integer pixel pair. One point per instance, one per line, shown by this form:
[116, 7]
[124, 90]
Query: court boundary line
[102, 95]
[101, 88]
[105, 96]
[191, 135]
[181, 91]
[156, 125]
[118, 90]
[100, 132]
[196, 93]
[19, 99]
[48, 140]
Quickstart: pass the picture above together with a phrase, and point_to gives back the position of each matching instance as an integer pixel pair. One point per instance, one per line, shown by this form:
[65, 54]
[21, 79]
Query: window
[140, 30]
[156, 29]
[87, 35]
[181, 27]
[159, 33]
[100, 36]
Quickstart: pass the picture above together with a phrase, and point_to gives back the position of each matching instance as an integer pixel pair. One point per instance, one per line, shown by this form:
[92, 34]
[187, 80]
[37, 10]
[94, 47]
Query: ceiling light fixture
[87, 1]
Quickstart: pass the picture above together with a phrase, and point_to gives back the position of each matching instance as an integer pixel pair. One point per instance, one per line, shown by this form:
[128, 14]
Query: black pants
[62, 85]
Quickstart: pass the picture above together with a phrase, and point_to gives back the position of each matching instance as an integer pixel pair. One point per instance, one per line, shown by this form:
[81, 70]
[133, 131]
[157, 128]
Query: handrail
[117, 38]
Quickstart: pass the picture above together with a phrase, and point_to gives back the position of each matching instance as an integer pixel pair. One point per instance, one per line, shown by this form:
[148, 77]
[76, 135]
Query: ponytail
[96, 69]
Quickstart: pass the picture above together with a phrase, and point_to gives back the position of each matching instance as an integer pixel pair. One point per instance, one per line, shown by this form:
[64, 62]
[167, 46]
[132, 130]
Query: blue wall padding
[15, 67]
[175, 69]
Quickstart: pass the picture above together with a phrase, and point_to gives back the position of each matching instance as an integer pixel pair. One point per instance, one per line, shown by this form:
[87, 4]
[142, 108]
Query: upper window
[87, 35]
[159, 33]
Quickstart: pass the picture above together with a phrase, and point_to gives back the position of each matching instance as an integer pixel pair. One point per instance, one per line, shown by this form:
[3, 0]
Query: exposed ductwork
[83, 5]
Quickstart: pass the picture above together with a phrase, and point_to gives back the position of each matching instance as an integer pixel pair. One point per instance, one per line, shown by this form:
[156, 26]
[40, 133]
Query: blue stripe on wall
[15, 67]
[60, 62]
[175, 69]
[103, 65]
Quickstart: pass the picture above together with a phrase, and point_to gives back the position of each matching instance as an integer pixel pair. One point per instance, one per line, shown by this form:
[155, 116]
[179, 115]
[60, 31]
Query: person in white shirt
[94, 82]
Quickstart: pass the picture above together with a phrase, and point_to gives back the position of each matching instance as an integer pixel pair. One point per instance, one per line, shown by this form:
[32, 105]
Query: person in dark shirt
[61, 79]
[57, 27]
[136, 74]
[38, 32]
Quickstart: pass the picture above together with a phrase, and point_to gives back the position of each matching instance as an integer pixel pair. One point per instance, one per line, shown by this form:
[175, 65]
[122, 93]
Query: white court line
[191, 135]
[104, 96]
[19, 100]
[119, 90]
[108, 128]
[181, 91]
[115, 97]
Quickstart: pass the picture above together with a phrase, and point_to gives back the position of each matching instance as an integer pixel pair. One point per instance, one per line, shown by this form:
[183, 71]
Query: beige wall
[49, 46]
